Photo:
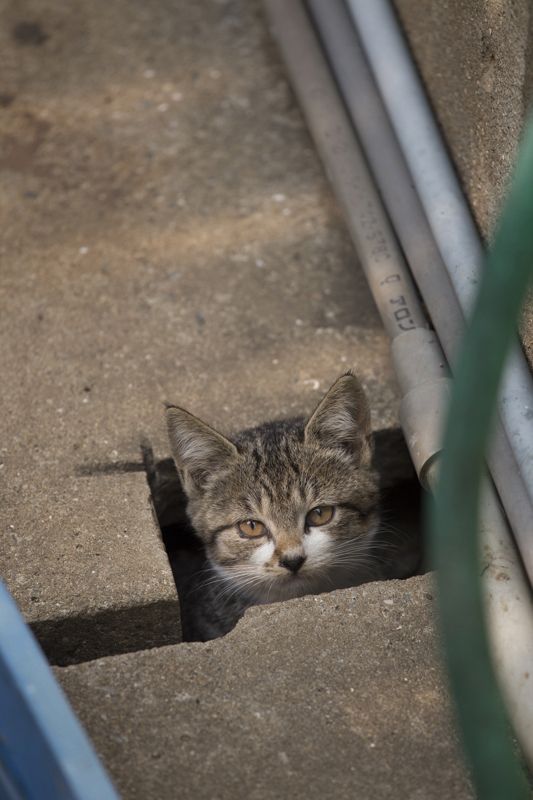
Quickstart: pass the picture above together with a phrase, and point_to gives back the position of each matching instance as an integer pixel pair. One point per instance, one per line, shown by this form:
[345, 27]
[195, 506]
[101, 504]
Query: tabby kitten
[285, 509]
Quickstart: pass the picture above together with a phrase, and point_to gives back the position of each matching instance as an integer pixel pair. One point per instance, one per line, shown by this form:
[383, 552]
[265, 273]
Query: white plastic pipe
[511, 457]
[358, 89]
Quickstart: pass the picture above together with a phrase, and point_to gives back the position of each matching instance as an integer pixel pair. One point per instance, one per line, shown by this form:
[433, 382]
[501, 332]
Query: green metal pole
[455, 512]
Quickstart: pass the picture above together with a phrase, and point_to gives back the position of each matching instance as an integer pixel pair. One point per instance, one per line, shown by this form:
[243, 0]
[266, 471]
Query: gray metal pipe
[448, 215]
[381, 258]
[418, 361]
[385, 158]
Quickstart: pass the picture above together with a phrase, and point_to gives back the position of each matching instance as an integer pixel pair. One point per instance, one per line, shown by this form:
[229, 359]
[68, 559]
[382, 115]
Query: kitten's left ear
[198, 449]
[342, 419]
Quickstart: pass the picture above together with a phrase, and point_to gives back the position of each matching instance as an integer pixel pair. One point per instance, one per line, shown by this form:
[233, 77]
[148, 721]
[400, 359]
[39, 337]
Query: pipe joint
[422, 373]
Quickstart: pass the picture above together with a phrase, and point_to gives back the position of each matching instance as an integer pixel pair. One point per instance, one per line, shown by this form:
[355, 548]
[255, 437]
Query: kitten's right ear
[197, 448]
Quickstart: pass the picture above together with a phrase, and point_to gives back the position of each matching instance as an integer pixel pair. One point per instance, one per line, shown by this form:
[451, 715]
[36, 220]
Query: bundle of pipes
[379, 96]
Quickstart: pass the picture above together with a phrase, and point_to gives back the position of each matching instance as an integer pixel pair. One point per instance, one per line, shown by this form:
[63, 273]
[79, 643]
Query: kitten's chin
[275, 594]
[284, 588]
[292, 586]
[263, 588]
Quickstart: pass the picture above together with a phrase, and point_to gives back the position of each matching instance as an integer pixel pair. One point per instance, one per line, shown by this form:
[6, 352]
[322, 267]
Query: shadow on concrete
[72, 640]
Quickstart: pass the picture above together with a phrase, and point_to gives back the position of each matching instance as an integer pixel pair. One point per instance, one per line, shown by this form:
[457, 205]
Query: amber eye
[251, 528]
[320, 515]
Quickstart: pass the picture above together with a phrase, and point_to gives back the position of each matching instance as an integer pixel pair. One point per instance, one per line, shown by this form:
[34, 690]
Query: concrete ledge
[335, 696]
[82, 559]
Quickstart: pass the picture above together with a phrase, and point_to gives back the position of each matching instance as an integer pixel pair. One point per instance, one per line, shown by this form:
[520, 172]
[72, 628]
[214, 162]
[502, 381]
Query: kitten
[285, 509]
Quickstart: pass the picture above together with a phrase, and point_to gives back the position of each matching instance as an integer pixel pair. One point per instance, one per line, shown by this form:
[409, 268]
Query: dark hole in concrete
[185, 550]
[400, 550]
[401, 502]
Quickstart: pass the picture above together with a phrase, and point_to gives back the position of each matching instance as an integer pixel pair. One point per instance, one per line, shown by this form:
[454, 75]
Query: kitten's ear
[342, 420]
[197, 448]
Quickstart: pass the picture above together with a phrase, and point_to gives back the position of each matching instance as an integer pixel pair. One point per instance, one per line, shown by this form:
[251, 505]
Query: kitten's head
[289, 507]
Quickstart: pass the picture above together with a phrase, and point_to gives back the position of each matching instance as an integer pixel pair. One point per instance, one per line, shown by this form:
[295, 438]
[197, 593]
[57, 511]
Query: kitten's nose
[292, 563]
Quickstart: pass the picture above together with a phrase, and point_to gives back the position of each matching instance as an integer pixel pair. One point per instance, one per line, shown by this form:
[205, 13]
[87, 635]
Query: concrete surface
[167, 234]
[83, 558]
[476, 61]
[323, 697]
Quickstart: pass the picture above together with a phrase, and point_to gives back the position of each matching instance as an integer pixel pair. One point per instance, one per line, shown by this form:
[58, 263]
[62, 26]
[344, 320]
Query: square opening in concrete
[398, 545]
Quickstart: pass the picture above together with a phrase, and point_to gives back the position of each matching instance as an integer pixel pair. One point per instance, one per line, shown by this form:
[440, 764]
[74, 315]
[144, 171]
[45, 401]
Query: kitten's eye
[251, 528]
[320, 515]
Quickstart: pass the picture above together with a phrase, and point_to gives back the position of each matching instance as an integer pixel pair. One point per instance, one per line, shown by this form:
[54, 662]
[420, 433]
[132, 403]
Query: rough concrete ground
[167, 234]
[335, 696]
[83, 558]
[475, 59]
